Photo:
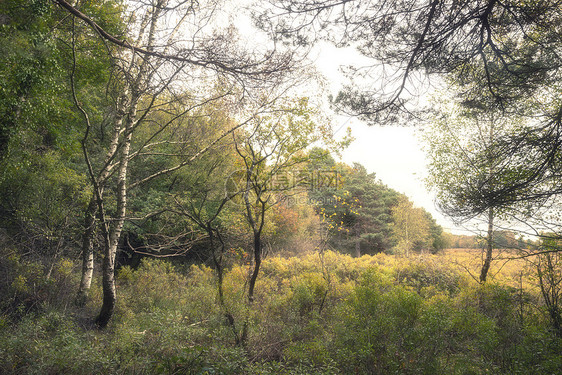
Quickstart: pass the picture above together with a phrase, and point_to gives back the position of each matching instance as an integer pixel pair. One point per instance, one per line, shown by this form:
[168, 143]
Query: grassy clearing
[313, 314]
[507, 267]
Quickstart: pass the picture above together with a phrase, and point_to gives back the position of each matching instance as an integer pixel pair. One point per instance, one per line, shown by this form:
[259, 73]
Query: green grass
[312, 315]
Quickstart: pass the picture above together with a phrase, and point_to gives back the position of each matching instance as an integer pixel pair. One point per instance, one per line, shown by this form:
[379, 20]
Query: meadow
[318, 313]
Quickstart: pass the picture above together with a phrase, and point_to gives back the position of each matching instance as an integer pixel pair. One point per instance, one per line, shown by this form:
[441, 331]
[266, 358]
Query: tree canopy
[500, 52]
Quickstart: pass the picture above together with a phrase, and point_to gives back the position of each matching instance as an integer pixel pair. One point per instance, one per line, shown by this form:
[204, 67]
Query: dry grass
[506, 268]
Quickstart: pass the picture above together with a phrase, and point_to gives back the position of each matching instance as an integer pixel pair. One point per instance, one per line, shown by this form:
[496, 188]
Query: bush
[25, 289]
[49, 343]
[379, 333]
[428, 277]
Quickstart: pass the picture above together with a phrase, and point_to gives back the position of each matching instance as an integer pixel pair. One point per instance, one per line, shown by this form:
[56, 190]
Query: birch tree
[410, 226]
[174, 49]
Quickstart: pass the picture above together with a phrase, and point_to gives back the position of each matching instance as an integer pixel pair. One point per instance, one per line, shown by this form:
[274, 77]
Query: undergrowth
[312, 314]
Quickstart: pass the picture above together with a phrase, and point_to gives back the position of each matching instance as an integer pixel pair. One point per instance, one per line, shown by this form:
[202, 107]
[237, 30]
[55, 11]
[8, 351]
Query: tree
[153, 64]
[357, 208]
[501, 52]
[271, 147]
[205, 209]
[373, 229]
[463, 162]
[410, 226]
[137, 76]
[191, 214]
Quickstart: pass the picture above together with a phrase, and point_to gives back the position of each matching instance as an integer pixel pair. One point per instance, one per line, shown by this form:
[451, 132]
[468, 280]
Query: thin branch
[254, 68]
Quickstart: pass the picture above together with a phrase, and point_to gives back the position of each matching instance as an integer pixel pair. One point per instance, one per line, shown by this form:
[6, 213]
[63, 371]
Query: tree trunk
[252, 284]
[407, 239]
[108, 287]
[127, 113]
[358, 247]
[489, 249]
[87, 253]
[257, 264]
[108, 271]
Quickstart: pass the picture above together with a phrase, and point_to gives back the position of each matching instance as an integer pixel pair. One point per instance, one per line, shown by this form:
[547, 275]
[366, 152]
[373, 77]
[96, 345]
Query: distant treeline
[502, 239]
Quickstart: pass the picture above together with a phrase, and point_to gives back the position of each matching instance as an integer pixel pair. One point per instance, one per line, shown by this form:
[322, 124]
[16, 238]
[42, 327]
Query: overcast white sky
[393, 153]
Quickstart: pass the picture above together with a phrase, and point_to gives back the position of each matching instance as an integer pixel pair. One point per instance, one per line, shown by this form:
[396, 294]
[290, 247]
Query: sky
[393, 153]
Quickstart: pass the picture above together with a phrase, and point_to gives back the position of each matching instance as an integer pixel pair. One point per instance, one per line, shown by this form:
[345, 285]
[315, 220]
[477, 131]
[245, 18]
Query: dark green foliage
[26, 62]
[374, 203]
[25, 290]
[36, 109]
[356, 206]
[41, 201]
[43, 180]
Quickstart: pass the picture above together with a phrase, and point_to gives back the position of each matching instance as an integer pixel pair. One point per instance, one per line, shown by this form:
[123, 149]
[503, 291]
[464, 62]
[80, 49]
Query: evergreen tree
[355, 206]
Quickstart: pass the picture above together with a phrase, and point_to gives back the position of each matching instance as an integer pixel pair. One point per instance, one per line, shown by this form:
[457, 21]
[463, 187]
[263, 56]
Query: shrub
[376, 335]
[335, 315]
[428, 277]
[49, 343]
[24, 287]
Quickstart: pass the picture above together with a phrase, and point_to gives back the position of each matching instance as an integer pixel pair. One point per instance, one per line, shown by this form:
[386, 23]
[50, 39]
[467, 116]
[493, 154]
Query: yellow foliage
[20, 284]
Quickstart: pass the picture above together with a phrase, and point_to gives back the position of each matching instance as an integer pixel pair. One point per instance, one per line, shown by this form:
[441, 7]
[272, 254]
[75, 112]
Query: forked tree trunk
[108, 266]
[127, 114]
